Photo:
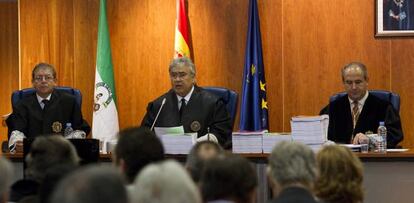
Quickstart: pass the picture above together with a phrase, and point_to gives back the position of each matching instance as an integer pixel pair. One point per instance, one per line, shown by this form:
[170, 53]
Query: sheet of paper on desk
[353, 147]
[178, 143]
[179, 130]
[271, 139]
[397, 150]
[247, 142]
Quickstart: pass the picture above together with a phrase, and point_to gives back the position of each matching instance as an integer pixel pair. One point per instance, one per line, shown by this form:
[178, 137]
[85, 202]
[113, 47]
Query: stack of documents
[271, 139]
[174, 140]
[310, 130]
[247, 142]
[178, 143]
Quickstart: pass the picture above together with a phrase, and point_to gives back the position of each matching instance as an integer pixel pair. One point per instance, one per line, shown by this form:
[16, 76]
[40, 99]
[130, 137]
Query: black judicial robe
[28, 117]
[203, 107]
[374, 111]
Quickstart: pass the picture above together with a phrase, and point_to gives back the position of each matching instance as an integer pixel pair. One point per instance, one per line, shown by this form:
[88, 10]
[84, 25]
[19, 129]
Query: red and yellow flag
[182, 38]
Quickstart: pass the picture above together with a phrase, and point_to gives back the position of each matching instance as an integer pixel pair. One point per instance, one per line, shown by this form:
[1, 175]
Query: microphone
[159, 111]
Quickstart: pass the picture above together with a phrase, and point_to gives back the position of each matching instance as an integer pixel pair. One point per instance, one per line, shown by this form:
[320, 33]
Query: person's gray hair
[165, 182]
[91, 184]
[292, 163]
[6, 171]
[355, 64]
[183, 61]
[43, 66]
[49, 151]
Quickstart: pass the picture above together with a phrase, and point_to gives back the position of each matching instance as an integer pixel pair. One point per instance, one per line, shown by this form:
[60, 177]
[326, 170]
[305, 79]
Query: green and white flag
[105, 115]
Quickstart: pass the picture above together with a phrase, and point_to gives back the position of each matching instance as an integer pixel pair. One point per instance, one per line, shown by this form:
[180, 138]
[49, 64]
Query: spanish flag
[182, 37]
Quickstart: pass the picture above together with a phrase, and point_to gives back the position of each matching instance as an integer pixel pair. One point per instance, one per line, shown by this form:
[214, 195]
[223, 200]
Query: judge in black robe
[204, 112]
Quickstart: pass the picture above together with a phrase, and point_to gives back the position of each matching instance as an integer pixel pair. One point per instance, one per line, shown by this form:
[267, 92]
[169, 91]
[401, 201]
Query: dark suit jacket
[294, 195]
[28, 117]
[204, 107]
[374, 111]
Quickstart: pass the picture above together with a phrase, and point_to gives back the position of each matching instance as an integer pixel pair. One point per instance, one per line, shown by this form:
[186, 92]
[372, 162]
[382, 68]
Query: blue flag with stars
[254, 109]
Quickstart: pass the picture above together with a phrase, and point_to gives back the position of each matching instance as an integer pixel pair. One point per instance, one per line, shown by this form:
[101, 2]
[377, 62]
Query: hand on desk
[360, 138]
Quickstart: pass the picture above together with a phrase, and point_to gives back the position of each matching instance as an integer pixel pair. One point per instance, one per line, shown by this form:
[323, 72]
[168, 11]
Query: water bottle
[68, 130]
[381, 143]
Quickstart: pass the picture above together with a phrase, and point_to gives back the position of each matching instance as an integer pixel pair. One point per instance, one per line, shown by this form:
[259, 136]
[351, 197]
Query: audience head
[182, 74]
[165, 182]
[47, 152]
[53, 176]
[355, 79]
[199, 154]
[228, 177]
[91, 184]
[6, 172]
[340, 175]
[44, 79]
[291, 164]
[136, 148]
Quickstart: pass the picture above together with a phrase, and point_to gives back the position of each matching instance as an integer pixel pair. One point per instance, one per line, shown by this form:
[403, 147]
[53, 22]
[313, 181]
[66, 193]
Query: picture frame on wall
[394, 18]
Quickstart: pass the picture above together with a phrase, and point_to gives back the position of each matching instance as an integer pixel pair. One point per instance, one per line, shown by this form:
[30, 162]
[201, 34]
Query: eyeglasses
[176, 75]
[39, 78]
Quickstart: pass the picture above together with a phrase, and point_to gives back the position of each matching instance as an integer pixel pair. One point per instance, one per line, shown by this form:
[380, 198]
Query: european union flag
[254, 108]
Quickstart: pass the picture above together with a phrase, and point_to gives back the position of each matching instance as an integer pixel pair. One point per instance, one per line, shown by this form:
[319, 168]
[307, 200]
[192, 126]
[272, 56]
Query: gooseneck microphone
[159, 111]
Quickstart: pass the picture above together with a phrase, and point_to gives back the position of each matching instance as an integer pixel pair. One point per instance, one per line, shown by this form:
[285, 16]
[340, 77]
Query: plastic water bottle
[381, 144]
[68, 130]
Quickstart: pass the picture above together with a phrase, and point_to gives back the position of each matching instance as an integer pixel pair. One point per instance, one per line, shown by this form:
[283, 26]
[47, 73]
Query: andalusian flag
[182, 39]
[105, 116]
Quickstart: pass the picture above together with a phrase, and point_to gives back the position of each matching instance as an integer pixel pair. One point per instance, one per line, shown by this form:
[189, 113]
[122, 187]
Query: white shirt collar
[40, 99]
[187, 97]
[361, 102]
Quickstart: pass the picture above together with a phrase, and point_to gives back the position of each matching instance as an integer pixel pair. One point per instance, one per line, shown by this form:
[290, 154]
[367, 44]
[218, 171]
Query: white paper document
[311, 130]
[272, 139]
[247, 142]
[178, 143]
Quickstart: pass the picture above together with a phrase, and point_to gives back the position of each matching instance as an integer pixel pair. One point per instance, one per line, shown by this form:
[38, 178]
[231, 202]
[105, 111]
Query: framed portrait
[394, 18]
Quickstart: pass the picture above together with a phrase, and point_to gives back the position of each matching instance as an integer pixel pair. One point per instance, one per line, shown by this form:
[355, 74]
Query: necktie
[182, 107]
[355, 112]
[45, 102]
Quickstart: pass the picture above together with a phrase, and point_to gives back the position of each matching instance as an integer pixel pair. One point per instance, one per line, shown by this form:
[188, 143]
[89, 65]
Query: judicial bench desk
[388, 177]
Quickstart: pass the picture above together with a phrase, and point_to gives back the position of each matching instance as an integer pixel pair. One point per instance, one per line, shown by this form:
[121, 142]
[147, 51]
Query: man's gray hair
[6, 172]
[165, 182]
[43, 66]
[91, 184]
[183, 61]
[355, 64]
[292, 163]
[49, 151]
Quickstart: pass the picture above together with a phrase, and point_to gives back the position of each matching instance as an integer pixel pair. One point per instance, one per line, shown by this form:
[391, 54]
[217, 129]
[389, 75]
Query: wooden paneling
[402, 75]
[46, 29]
[85, 14]
[318, 42]
[305, 44]
[271, 30]
[142, 40]
[9, 60]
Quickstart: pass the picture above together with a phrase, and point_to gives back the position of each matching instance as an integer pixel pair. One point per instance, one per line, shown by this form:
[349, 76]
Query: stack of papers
[174, 139]
[353, 147]
[178, 143]
[271, 139]
[310, 130]
[247, 142]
